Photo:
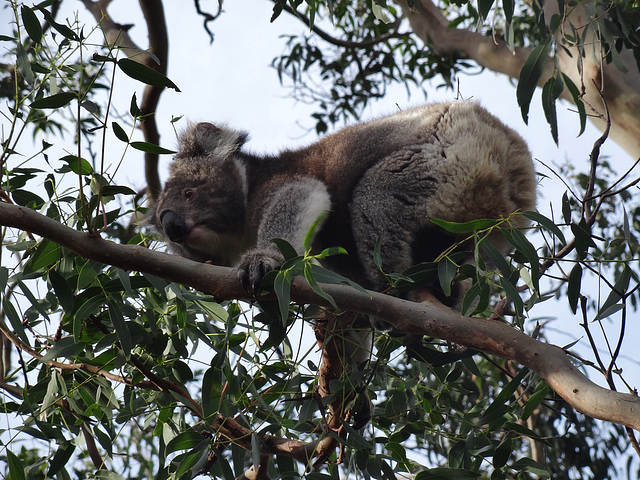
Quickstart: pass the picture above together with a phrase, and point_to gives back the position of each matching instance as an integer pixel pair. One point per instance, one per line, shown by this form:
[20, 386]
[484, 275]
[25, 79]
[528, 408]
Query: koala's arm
[288, 214]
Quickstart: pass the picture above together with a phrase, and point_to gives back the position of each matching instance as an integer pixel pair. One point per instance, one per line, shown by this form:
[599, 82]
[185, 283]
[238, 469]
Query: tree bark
[597, 80]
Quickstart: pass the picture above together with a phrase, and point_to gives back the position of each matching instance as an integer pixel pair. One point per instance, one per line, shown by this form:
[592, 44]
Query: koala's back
[451, 161]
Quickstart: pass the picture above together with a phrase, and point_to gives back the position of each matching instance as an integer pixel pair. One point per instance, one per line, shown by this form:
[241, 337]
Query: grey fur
[388, 177]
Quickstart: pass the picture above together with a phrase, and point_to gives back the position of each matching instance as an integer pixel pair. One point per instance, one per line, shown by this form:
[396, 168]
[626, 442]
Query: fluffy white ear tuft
[208, 140]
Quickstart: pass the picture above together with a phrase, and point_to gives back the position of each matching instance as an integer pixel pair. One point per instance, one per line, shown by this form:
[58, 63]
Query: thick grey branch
[116, 34]
[619, 89]
[428, 318]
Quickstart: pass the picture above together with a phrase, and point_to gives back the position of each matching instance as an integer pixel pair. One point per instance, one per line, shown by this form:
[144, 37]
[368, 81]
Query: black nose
[174, 226]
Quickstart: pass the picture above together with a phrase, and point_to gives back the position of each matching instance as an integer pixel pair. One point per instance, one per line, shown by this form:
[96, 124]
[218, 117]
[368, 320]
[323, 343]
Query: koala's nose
[174, 226]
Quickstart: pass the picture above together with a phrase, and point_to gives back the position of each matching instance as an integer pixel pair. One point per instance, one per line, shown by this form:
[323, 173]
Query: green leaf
[58, 100]
[309, 276]
[255, 449]
[287, 250]
[318, 476]
[35, 303]
[331, 251]
[483, 7]
[134, 110]
[546, 223]
[535, 399]
[446, 273]
[512, 292]
[117, 319]
[322, 275]
[508, 7]
[89, 306]
[531, 466]
[575, 94]
[442, 473]
[4, 277]
[619, 290]
[108, 475]
[26, 198]
[15, 320]
[150, 148]
[550, 93]
[184, 441]
[66, 347]
[282, 289]
[117, 190]
[82, 167]
[24, 66]
[582, 237]
[566, 208]
[379, 13]
[530, 74]
[47, 253]
[311, 233]
[31, 24]
[502, 453]
[61, 458]
[504, 396]
[518, 240]
[465, 227]
[496, 258]
[90, 107]
[194, 460]
[573, 287]
[119, 132]
[16, 470]
[61, 29]
[211, 390]
[144, 74]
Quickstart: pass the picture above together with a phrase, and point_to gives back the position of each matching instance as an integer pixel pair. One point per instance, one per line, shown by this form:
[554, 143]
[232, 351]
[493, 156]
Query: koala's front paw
[254, 266]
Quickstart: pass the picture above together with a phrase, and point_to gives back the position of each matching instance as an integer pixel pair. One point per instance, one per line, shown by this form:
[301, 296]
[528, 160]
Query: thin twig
[365, 44]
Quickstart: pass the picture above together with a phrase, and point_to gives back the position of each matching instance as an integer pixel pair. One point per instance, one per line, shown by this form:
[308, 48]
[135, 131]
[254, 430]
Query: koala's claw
[253, 267]
[251, 276]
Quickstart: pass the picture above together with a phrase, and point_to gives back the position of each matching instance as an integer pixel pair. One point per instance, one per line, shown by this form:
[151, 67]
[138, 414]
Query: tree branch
[428, 318]
[153, 12]
[338, 42]
[432, 27]
[620, 89]
[116, 34]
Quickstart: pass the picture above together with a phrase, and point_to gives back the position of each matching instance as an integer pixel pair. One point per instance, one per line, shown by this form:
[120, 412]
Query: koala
[377, 181]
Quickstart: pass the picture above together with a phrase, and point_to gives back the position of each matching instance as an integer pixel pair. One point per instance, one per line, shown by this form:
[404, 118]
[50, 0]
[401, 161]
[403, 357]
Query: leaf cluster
[362, 51]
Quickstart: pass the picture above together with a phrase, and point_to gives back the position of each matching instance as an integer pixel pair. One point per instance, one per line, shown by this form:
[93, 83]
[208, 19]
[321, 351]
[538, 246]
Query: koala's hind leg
[346, 340]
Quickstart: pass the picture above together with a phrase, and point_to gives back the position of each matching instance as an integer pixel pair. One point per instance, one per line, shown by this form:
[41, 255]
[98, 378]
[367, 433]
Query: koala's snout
[174, 226]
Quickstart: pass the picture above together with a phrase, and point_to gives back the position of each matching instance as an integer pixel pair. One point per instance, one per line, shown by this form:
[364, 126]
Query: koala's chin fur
[384, 179]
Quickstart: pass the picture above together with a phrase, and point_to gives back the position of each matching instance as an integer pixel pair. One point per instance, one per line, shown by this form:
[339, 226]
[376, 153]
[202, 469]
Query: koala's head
[201, 210]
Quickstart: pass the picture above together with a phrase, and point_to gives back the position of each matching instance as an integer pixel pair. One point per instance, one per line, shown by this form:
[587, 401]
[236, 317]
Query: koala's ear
[206, 139]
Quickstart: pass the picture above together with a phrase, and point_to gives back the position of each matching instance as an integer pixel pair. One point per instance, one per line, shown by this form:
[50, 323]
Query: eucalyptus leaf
[530, 74]
[141, 72]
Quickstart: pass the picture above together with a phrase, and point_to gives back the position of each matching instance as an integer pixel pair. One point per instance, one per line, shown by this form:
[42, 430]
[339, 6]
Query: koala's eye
[188, 193]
